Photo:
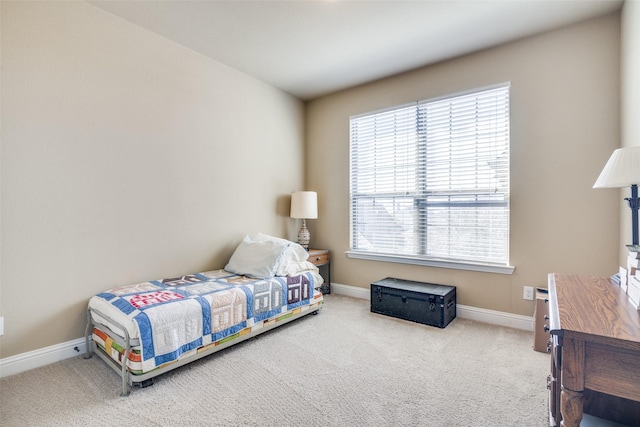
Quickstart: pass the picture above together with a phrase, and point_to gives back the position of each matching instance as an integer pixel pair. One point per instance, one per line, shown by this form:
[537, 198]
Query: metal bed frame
[145, 379]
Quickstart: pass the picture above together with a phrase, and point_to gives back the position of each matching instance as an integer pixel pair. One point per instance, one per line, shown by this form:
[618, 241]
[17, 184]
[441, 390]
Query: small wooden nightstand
[322, 258]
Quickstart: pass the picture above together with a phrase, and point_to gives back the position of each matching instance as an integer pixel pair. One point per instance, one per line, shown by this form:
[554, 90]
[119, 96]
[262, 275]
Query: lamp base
[634, 204]
[304, 237]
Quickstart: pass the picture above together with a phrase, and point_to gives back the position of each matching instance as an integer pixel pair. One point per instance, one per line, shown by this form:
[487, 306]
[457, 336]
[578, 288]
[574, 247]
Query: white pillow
[293, 252]
[294, 268]
[255, 258]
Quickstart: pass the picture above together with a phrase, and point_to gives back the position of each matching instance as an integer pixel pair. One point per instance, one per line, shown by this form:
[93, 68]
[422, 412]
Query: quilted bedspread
[170, 317]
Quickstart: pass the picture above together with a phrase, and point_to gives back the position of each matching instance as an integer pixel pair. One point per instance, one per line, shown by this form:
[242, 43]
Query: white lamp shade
[304, 204]
[622, 169]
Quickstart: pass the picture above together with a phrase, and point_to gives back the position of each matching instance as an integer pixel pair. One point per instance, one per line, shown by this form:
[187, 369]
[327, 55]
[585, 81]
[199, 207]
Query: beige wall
[125, 157]
[630, 102]
[99, 119]
[564, 125]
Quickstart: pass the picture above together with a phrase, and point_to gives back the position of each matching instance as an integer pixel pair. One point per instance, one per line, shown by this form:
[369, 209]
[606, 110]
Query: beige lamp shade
[304, 204]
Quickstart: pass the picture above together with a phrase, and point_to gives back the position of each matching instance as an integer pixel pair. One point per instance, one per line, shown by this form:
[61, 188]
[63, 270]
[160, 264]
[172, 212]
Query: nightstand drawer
[318, 257]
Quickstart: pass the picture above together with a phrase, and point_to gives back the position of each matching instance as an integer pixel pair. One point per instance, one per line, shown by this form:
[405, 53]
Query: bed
[146, 329]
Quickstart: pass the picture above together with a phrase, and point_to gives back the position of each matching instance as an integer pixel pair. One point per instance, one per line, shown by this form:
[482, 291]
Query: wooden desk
[596, 345]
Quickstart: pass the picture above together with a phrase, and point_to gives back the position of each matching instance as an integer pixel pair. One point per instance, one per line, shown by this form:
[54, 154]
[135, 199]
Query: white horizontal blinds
[464, 202]
[383, 180]
[432, 179]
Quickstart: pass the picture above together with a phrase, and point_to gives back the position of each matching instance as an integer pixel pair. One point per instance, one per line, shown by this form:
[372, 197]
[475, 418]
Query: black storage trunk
[419, 302]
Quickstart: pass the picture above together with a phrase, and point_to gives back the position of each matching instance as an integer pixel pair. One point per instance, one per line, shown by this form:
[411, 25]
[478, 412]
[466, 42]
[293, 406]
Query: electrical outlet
[528, 293]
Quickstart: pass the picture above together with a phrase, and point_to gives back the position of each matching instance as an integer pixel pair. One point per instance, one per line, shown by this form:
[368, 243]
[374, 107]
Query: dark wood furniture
[426, 303]
[321, 258]
[595, 351]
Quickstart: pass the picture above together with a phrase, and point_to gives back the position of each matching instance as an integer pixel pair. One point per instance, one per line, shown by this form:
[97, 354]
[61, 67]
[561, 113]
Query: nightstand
[322, 258]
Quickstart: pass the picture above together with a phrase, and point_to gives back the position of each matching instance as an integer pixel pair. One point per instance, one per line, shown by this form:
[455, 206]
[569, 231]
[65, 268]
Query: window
[430, 182]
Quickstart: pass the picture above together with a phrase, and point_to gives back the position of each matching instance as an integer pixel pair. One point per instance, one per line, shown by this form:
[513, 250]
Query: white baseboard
[493, 317]
[500, 318]
[41, 357]
[350, 291]
[55, 353]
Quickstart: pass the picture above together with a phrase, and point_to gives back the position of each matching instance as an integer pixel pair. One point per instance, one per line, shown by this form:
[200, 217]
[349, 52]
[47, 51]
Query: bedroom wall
[565, 123]
[125, 157]
[630, 104]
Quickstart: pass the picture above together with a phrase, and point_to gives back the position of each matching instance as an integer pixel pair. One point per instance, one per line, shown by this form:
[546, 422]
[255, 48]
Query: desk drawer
[554, 382]
[612, 370]
[556, 351]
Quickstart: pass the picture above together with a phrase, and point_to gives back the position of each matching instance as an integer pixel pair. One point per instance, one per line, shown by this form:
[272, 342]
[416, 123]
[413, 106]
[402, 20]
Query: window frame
[427, 260]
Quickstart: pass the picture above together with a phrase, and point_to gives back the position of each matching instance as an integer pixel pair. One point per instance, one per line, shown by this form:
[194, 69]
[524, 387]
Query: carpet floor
[343, 367]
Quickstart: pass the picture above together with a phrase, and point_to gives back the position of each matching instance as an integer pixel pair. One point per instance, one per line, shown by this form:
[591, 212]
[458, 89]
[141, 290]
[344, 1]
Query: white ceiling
[310, 48]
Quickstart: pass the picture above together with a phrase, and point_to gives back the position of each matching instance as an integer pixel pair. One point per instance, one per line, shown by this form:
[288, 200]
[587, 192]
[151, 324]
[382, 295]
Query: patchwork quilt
[170, 317]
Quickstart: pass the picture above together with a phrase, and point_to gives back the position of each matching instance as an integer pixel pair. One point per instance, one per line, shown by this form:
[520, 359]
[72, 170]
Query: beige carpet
[343, 367]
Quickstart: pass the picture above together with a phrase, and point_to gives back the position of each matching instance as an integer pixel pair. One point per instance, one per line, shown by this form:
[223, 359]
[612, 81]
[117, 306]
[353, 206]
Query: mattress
[166, 320]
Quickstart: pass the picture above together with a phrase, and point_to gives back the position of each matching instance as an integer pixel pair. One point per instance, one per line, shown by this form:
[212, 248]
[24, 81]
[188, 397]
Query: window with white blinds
[430, 180]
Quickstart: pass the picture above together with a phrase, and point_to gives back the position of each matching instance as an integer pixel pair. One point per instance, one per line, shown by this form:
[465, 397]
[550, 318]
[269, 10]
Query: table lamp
[622, 170]
[304, 205]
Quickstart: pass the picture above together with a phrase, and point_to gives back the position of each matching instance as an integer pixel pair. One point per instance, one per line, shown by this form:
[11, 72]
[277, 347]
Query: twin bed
[146, 329]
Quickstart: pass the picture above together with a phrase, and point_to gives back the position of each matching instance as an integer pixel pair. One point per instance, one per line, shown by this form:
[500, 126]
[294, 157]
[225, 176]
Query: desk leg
[572, 396]
[572, 406]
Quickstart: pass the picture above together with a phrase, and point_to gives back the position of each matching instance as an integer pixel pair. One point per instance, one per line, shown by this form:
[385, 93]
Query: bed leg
[88, 349]
[125, 372]
[125, 376]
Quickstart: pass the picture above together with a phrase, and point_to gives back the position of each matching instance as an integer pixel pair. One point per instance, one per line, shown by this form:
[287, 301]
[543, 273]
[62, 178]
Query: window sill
[485, 268]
